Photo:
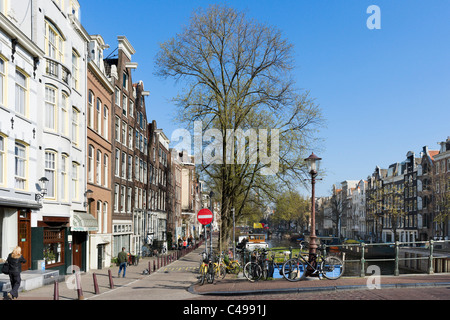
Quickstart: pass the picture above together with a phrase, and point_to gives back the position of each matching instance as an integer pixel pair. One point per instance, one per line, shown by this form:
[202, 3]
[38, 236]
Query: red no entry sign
[205, 216]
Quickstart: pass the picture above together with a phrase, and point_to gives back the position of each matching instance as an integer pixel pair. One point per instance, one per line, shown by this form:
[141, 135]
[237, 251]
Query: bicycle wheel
[219, 271]
[252, 271]
[203, 270]
[332, 268]
[210, 275]
[293, 270]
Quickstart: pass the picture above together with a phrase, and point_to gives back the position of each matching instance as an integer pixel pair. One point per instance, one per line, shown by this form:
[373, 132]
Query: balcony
[56, 70]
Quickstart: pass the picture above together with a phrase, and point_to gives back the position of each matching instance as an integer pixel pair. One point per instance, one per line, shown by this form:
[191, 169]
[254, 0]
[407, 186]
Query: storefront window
[53, 247]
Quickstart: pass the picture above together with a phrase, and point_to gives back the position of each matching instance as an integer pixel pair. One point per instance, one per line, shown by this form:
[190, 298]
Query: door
[78, 238]
[100, 255]
[24, 234]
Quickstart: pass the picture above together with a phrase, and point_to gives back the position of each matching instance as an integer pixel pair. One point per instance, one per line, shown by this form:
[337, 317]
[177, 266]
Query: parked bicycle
[258, 266]
[206, 270]
[232, 266]
[296, 269]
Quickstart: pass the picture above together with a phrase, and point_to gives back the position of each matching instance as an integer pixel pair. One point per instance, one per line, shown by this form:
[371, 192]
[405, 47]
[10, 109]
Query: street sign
[205, 216]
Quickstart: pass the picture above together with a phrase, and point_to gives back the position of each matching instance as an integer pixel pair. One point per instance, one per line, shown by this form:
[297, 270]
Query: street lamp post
[313, 167]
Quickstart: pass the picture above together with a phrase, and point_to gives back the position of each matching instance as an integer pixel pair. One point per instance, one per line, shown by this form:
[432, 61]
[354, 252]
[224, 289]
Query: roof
[433, 153]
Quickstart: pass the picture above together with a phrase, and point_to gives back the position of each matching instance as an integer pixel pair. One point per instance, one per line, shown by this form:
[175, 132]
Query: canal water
[352, 267]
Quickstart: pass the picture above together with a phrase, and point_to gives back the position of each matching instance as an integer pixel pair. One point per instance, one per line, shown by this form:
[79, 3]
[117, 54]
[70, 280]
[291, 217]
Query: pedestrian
[122, 257]
[15, 260]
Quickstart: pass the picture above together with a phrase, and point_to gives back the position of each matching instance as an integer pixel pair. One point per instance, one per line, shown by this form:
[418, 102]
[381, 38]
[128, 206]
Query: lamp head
[313, 163]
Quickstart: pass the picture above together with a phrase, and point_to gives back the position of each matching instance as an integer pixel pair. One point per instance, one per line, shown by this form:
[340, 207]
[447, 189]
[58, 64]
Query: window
[105, 123]
[130, 137]
[122, 198]
[136, 168]
[131, 111]
[75, 70]
[130, 167]
[116, 197]
[90, 110]
[105, 217]
[129, 199]
[50, 107]
[124, 133]
[98, 173]
[64, 177]
[105, 168]
[125, 81]
[99, 116]
[54, 42]
[116, 163]
[136, 192]
[124, 165]
[117, 96]
[54, 246]
[2, 81]
[117, 129]
[124, 105]
[20, 153]
[99, 215]
[2, 159]
[91, 164]
[21, 92]
[50, 173]
[75, 192]
[75, 125]
[64, 114]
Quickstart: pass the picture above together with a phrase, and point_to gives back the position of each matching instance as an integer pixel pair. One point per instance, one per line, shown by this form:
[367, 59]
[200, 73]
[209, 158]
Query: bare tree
[236, 75]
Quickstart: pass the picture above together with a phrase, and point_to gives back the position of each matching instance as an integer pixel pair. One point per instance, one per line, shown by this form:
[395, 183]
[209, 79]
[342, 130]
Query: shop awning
[83, 221]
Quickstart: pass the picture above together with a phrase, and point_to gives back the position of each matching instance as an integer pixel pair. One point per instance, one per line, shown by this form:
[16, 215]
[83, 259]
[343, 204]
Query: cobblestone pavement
[430, 294]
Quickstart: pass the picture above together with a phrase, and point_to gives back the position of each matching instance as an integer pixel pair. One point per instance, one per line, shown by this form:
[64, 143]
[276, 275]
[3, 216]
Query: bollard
[149, 267]
[154, 265]
[97, 291]
[79, 289]
[396, 271]
[430, 258]
[363, 260]
[56, 290]
[111, 283]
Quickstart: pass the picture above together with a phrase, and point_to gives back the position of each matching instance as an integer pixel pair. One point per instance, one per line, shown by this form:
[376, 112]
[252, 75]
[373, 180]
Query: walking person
[122, 257]
[15, 260]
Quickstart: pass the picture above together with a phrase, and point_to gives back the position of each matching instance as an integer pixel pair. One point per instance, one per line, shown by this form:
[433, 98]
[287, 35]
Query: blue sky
[382, 92]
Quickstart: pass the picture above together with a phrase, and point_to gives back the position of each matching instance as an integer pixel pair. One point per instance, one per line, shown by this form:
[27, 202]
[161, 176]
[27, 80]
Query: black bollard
[79, 289]
[111, 283]
[97, 291]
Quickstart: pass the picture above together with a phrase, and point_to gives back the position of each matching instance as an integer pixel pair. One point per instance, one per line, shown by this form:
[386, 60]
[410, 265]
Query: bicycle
[273, 264]
[219, 268]
[254, 270]
[296, 269]
[206, 269]
[232, 266]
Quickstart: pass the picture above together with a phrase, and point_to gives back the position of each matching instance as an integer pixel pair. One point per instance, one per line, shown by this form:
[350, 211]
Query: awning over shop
[83, 221]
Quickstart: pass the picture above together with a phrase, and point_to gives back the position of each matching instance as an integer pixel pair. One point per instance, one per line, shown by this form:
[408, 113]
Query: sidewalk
[67, 289]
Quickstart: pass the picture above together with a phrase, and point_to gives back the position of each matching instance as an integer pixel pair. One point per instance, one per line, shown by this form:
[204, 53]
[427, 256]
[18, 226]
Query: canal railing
[421, 256]
[430, 257]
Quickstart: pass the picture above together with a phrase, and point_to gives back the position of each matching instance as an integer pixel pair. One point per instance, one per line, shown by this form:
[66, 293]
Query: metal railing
[56, 69]
[431, 252]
